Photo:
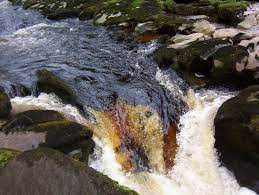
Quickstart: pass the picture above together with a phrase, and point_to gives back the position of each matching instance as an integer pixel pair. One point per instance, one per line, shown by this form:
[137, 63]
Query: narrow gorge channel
[152, 132]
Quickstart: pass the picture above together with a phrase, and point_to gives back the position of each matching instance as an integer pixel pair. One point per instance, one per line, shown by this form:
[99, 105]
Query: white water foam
[196, 170]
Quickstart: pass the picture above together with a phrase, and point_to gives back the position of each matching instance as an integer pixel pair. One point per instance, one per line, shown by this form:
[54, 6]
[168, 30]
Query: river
[98, 66]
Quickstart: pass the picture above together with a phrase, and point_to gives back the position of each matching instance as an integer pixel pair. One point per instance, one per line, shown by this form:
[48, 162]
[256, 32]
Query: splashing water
[48, 45]
[196, 169]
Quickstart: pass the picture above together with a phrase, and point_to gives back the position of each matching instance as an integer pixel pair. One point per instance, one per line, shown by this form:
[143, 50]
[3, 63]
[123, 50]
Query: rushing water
[196, 170]
[97, 66]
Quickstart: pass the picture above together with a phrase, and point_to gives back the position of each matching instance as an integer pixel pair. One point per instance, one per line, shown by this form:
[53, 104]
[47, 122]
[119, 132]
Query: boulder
[193, 9]
[181, 41]
[55, 9]
[46, 171]
[5, 105]
[50, 83]
[165, 56]
[51, 129]
[66, 136]
[6, 155]
[204, 27]
[29, 118]
[248, 22]
[229, 11]
[217, 61]
[226, 32]
[137, 11]
[237, 136]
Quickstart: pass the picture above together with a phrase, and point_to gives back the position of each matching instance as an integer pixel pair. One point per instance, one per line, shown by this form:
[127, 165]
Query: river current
[98, 67]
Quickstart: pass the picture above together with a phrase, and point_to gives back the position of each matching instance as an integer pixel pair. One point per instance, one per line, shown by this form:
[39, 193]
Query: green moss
[136, 3]
[228, 11]
[169, 3]
[233, 4]
[50, 125]
[29, 118]
[6, 155]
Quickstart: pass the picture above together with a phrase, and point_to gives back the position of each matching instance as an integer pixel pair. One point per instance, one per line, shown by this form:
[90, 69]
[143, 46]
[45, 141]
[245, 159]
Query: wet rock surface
[45, 170]
[29, 118]
[5, 105]
[58, 133]
[50, 83]
[119, 85]
[217, 61]
[94, 64]
[237, 137]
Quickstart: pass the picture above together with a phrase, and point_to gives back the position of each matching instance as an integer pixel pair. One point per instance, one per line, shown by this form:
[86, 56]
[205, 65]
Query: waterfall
[196, 169]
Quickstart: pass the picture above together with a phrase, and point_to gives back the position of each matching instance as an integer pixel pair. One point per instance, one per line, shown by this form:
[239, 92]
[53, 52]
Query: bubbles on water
[196, 170]
[47, 102]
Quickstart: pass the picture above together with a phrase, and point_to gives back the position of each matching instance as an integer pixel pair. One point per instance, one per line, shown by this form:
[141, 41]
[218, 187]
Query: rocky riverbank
[208, 43]
[39, 145]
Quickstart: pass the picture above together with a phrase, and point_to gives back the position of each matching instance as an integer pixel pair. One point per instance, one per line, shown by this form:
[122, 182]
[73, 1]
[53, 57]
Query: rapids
[99, 68]
[196, 169]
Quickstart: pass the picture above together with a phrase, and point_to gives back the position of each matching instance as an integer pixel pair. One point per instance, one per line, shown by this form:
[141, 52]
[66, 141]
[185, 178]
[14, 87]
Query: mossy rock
[196, 57]
[66, 136]
[165, 57]
[60, 133]
[50, 83]
[136, 11]
[194, 9]
[214, 59]
[56, 9]
[29, 118]
[6, 155]
[114, 12]
[229, 11]
[5, 105]
[237, 137]
[169, 24]
[46, 171]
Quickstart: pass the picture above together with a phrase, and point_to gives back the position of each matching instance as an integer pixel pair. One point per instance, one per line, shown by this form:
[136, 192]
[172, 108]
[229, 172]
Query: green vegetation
[168, 3]
[6, 155]
[136, 3]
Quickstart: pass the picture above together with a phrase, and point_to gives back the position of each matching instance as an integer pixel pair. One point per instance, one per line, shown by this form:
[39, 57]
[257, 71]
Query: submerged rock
[46, 171]
[137, 135]
[50, 83]
[237, 136]
[5, 105]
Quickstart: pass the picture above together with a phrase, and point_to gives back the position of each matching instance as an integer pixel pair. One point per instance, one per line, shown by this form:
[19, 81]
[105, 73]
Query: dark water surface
[87, 57]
